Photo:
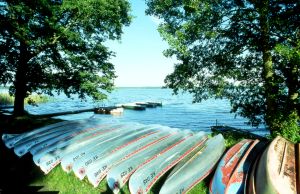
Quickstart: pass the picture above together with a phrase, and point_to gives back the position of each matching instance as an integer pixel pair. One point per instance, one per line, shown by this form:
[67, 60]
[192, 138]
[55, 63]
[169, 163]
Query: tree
[59, 46]
[244, 50]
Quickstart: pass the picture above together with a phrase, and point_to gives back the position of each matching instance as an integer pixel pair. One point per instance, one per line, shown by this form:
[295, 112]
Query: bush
[6, 99]
[287, 126]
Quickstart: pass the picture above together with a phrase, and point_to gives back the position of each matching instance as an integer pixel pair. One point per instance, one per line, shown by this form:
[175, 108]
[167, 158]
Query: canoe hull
[276, 170]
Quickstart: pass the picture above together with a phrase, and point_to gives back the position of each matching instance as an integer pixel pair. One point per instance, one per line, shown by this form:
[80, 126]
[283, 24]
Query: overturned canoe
[10, 140]
[81, 165]
[22, 147]
[63, 144]
[118, 176]
[66, 139]
[47, 161]
[147, 175]
[276, 169]
[74, 152]
[195, 167]
[99, 169]
[234, 167]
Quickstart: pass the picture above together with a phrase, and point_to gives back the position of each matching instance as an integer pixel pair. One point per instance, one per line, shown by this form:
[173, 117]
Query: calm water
[177, 110]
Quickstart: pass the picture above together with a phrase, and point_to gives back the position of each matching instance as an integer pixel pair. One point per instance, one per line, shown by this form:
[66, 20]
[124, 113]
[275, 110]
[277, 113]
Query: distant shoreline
[117, 87]
[136, 87]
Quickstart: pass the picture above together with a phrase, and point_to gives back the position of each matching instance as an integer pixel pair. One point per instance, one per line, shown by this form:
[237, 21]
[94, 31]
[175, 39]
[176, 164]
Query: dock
[109, 110]
[140, 105]
[225, 129]
[113, 110]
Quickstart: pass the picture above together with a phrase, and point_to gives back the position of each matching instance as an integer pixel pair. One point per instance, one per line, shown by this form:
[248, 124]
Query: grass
[6, 99]
[22, 176]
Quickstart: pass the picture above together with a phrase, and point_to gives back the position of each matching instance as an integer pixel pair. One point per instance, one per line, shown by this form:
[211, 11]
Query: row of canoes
[141, 154]
[123, 153]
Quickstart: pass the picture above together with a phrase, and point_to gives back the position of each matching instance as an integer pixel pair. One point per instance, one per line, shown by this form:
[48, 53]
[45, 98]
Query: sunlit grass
[58, 180]
[6, 99]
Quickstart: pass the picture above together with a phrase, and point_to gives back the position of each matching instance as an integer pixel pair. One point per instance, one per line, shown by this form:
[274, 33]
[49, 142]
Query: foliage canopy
[58, 46]
[247, 51]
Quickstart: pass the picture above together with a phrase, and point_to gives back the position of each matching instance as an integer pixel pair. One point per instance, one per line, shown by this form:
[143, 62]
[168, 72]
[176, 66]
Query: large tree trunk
[268, 71]
[292, 84]
[20, 81]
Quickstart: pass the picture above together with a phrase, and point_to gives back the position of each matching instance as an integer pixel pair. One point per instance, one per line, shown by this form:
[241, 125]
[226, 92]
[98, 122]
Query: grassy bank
[6, 99]
[24, 177]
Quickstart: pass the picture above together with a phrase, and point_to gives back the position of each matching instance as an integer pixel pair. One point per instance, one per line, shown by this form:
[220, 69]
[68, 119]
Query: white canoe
[146, 176]
[80, 165]
[120, 173]
[191, 171]
[10, 140]
[51, 144]
[97, 171]
[65, 140]
[73, 152]
[48, 160]
[21, 148]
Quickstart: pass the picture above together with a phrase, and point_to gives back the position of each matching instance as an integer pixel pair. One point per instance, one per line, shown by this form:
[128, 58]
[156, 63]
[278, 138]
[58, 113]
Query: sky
[139, 61]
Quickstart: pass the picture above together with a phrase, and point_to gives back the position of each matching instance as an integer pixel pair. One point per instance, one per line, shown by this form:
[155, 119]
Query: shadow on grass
[17, 173]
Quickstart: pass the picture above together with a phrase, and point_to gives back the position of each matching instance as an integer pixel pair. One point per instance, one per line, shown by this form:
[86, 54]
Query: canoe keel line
[142, 154]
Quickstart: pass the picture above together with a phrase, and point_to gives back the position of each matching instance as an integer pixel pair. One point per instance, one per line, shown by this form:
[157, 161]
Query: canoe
[69, 140]
[80, 165]
[47, 161]
[74, 152]
[11, 141]
[97, 171]
[234, 167]
[276, 169]
[21, 148]
[7, 136]
[146, 176]
[51, 144]
[195, 168]
[250, 179]
[118, 176]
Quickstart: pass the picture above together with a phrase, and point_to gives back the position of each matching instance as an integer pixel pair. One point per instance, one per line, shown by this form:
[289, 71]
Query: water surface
[177, 110]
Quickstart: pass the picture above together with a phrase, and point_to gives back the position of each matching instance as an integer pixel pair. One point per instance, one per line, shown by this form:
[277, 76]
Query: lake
[177, 111]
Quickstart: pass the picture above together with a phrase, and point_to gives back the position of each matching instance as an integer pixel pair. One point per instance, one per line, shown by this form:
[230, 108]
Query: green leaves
[221, 48]
[62, 45]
